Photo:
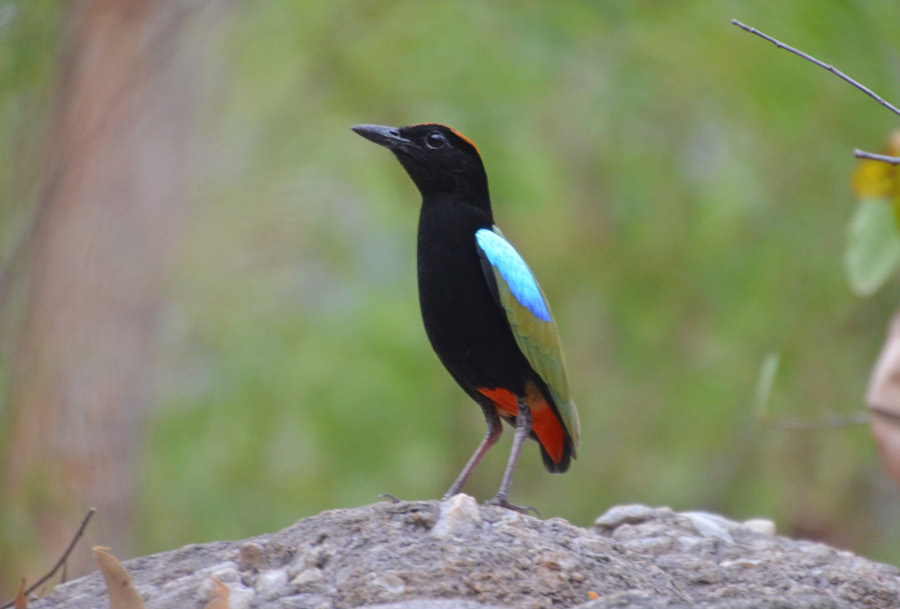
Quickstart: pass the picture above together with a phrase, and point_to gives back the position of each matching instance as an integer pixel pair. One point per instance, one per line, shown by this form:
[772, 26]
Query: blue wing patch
[514, 271]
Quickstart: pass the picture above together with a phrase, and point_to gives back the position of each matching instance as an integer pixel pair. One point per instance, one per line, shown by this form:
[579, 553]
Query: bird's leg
[523, 427]
[493, 434]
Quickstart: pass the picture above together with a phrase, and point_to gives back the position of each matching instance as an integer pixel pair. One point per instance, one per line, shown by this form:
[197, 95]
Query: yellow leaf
[877, 179]
[122, 594]
[222, 594]
[874, 179]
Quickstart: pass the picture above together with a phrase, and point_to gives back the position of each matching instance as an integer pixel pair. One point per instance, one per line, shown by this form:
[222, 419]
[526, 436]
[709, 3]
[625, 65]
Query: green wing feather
[539, 342]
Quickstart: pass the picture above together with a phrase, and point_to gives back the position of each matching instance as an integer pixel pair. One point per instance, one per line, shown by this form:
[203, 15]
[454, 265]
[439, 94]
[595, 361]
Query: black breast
[465, 324]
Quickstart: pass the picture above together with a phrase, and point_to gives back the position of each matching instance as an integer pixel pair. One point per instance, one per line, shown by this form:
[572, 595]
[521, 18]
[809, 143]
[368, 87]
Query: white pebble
[459, 515]
[710, 525]
[760, 525]
[270, 582]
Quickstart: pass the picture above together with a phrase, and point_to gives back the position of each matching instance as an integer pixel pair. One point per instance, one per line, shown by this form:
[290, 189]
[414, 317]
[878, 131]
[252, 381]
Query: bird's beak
[389, 137]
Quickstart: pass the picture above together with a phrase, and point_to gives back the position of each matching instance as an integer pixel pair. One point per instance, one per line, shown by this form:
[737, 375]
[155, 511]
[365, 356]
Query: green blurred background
[680, 188]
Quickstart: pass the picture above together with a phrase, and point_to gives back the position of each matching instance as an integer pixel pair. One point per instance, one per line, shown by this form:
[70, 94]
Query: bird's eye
[435, 139]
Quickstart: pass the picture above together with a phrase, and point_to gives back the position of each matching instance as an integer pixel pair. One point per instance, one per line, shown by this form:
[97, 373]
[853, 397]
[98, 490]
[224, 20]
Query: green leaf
[765, 382]
[873, 247]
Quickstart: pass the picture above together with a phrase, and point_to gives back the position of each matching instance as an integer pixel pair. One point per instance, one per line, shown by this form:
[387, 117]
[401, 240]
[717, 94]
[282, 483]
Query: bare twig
[831, 69]
[62, 559]
[828, 422]
[862, 154]
[767, 373]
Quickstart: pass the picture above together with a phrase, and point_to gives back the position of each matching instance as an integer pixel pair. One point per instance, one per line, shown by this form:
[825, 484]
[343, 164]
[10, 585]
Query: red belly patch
[544, 424]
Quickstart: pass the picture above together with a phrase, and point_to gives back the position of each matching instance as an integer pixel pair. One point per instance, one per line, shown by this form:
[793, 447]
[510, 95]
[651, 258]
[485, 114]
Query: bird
[484, 313]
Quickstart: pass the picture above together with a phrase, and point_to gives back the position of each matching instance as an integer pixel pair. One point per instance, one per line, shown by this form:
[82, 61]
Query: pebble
[307, 601]
[250, 556]
[458, 515]
[651, 546]
[271, 582]
[226, 572]
[760, 525]
[709, 525]
[390, 583]
[624, 514]
[740, 563]
[308, 577]
[239, 596]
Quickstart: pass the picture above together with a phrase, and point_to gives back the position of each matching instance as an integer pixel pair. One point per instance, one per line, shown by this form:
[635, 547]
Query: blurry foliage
[681, 189]
[873, 247]
[30, 37]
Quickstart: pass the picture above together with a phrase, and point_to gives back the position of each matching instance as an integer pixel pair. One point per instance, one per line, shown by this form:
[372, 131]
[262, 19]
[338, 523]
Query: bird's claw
[393, 498]
[522, 509]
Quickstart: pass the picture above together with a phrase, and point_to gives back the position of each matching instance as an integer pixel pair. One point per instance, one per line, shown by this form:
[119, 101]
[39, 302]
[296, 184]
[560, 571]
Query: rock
[458, 555]
[433, 604]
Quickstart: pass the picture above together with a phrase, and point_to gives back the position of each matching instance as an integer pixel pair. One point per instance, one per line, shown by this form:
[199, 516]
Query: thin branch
[831, 69]
[828, 422]
[770, 365]
[767, 372]
[862, 154]
[62, 559]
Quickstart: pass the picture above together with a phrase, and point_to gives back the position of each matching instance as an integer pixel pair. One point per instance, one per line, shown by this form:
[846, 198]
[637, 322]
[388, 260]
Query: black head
[437, 158]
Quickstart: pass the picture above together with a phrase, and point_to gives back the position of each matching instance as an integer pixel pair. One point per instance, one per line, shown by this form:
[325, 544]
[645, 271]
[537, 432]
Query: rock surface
[459, 555]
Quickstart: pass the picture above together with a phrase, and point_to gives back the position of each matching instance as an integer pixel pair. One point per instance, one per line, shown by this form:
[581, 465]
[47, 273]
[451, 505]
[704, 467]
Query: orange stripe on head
[544, 423]
[465, 139]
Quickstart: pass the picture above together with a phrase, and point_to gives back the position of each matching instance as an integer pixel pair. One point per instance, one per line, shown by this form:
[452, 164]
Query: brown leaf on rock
[21, 601]
[221, 599]
[122, 594]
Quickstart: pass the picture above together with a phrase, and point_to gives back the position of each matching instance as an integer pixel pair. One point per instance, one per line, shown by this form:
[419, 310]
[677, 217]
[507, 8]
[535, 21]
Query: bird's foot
[393, 498]
[503, 502]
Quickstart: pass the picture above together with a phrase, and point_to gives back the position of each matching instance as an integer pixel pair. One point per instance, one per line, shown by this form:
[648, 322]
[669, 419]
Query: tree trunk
[112, 197]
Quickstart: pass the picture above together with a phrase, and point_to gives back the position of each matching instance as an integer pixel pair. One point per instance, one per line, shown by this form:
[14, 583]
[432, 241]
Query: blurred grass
[680, 188]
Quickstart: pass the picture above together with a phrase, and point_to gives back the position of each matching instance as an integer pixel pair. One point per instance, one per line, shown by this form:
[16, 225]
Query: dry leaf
[21, 601]
[122, 594]
[883, 399]
[222, 593]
